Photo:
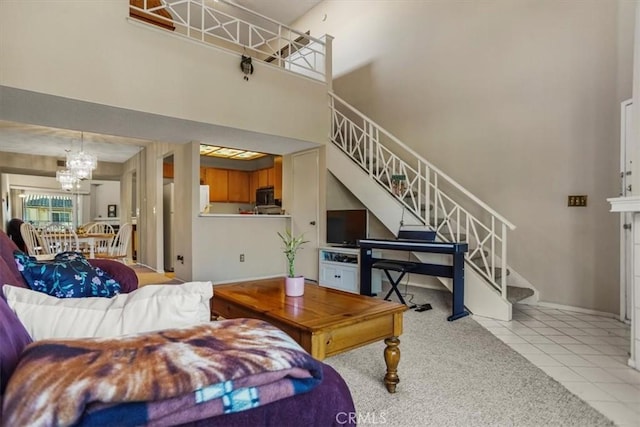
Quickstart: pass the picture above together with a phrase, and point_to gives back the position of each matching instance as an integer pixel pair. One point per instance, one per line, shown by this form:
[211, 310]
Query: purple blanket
[168, 377]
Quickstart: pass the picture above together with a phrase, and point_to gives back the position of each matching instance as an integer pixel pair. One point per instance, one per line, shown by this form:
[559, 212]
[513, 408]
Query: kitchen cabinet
[263, 177]
[277, 180]
[218, 182]
[239, 186]
[253, 186]
[167, 170]
[227, 185]
[268, 177]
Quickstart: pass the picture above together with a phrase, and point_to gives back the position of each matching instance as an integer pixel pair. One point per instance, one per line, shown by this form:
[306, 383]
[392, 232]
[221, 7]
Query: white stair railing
[231, 26]
[429, 194]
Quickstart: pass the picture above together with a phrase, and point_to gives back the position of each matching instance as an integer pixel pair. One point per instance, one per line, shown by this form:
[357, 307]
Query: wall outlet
[241, 257]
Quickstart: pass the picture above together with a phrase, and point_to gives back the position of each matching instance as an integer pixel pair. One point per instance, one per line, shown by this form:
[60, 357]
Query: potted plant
[294, 285]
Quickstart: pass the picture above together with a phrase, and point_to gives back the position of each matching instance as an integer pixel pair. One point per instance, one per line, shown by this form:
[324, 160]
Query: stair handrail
[362, 144]
[450, 180]
[284, 41]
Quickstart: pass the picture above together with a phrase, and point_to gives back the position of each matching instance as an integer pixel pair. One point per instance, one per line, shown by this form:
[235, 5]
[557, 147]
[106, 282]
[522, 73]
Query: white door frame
[304, 218]
[626, 218]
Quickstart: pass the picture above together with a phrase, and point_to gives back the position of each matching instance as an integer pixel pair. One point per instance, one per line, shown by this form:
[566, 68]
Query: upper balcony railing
[233, 27]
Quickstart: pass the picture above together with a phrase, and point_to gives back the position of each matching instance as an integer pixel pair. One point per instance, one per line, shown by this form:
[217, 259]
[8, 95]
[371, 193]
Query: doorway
[626, 218]
[304, 210]
[168, 218]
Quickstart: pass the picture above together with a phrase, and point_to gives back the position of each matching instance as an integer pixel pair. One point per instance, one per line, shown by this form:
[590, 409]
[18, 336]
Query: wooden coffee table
[323, 321]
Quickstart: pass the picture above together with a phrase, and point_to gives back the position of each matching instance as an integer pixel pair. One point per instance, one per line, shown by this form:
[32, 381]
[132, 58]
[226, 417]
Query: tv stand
[344, 245]
[340, 269]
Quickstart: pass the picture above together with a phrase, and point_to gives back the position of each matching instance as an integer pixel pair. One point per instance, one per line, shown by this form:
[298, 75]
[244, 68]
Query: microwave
[265, 196]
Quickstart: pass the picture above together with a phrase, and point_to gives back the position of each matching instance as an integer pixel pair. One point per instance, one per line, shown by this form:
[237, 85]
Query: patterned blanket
[162, 378]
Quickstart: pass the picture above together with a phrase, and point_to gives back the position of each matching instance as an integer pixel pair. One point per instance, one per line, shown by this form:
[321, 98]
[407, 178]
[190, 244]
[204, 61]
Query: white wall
[518, 101]
[219, 241]
[90, 51]
[105, 193]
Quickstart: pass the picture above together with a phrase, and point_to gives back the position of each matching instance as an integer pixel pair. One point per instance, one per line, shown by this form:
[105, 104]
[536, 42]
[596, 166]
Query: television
[346, 227]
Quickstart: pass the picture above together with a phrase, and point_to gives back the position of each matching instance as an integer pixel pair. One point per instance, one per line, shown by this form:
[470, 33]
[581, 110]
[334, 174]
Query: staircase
[397, 185]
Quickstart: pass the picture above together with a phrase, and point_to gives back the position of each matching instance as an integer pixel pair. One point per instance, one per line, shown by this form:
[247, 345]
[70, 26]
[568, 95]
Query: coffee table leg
[392, 358]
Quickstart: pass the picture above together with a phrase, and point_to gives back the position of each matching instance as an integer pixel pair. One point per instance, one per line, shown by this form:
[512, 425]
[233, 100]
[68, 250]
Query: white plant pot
[294, 286]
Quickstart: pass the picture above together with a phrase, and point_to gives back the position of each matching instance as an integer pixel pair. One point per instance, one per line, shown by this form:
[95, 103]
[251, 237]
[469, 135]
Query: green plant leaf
[291, 245]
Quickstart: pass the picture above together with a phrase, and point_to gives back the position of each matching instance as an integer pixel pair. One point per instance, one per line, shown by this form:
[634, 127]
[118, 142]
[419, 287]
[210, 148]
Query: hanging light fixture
[81, 164]
[67, 179]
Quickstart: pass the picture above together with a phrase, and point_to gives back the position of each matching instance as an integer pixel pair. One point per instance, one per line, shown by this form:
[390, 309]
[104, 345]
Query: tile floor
[587, 354]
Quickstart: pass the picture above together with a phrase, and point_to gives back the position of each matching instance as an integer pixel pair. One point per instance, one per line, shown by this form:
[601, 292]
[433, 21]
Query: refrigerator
[168, 227]
[204, 199]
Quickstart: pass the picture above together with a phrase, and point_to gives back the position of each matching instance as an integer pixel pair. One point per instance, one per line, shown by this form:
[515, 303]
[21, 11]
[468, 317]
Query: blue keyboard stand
[454, 271]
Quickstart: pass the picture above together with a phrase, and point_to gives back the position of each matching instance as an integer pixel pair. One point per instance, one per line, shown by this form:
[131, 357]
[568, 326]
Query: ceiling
[284, 11]
[47, 141]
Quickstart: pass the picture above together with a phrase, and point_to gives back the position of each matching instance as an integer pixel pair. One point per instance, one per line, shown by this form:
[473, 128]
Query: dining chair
[86, 225]
[59, 238]
[104, 236]
[13, 231]
[120, 244]
[33, 240]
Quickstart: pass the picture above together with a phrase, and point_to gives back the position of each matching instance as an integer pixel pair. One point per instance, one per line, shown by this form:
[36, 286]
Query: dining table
[91, 239]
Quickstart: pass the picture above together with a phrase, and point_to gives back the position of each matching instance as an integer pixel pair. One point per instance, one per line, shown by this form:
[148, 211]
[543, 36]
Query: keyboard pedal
[423, 307]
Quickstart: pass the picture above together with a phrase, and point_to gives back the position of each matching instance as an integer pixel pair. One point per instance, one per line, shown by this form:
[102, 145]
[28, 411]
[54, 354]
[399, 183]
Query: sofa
[247, 349]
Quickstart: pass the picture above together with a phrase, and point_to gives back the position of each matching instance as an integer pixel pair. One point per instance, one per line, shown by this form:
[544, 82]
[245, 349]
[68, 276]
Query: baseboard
[441, 287]
[575, 309]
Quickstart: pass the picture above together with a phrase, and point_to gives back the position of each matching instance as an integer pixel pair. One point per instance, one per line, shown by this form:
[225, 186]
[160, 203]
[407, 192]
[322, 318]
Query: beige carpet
[148, 276]
[457, 374]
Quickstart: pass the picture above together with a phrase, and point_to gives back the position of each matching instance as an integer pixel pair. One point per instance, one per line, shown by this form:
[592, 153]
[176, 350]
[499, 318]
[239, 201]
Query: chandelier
[79, 166]
[66, 179]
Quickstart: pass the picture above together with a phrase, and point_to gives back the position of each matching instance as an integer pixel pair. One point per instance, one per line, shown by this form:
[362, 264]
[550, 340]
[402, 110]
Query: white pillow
[150, 308]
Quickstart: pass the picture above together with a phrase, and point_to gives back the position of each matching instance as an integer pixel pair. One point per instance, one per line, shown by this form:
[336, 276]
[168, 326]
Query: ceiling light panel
[228, 153]
[248, 155]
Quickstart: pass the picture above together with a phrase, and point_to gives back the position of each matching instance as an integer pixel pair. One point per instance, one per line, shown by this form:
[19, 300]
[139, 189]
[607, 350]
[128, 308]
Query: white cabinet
[340, 269]
[340, 277]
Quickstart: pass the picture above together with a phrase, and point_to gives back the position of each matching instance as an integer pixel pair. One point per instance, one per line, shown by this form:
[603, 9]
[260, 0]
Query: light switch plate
[577, 201]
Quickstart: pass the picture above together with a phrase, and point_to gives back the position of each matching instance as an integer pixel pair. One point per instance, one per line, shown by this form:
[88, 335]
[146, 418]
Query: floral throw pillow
[68, 275]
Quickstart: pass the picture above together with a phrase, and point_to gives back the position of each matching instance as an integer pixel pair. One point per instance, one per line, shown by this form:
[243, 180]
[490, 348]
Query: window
[42, 209]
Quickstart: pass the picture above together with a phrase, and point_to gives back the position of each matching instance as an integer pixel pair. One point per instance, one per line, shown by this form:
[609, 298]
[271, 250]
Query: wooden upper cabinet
[218, 182]
[160, 17]
[253, 186]
[239, 186]
[267, 177]
[277, 180]
[263, 178]
[271, 176]
[203, 175]
[167, 170]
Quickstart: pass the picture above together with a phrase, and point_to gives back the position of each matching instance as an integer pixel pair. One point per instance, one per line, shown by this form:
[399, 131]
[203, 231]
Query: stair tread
[498, 270]
[515, 293]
